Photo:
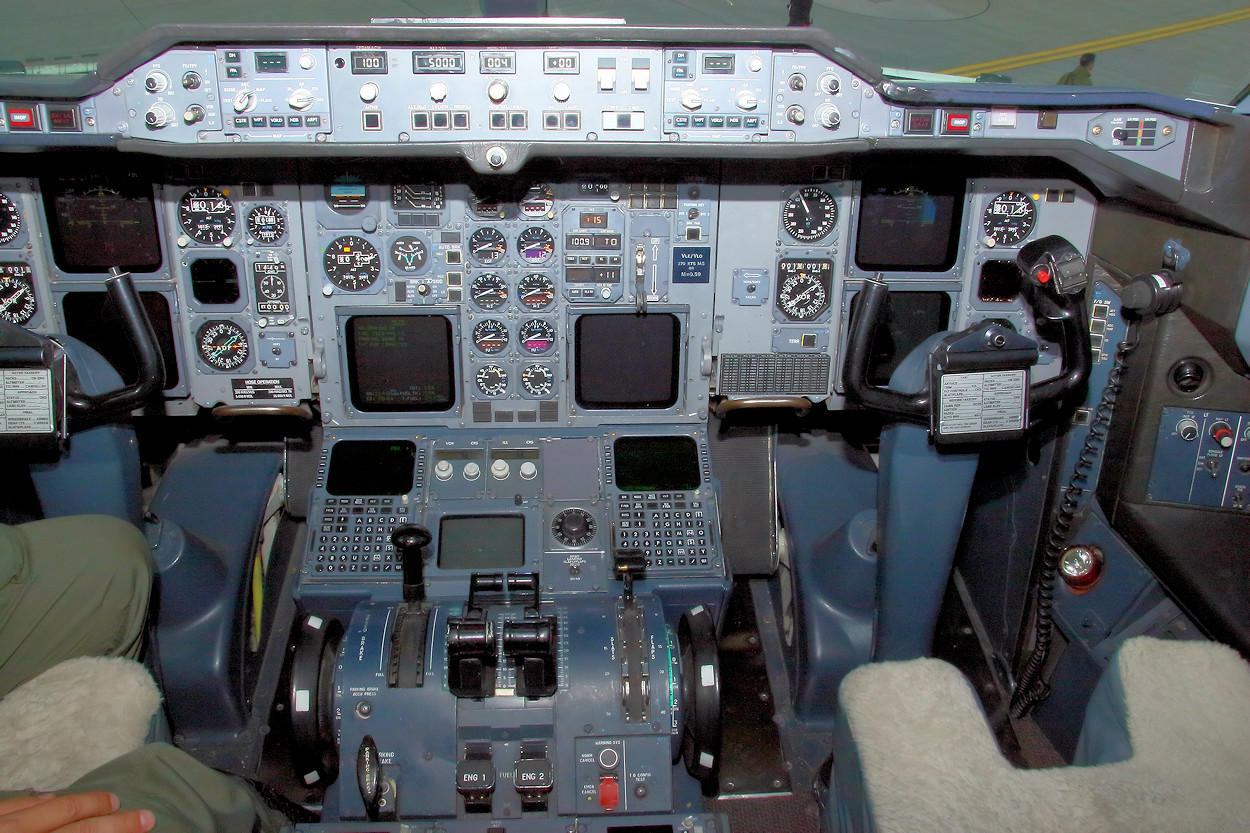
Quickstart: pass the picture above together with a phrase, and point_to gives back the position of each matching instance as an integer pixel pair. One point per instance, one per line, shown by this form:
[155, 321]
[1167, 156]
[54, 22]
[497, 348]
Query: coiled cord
[1031, 688]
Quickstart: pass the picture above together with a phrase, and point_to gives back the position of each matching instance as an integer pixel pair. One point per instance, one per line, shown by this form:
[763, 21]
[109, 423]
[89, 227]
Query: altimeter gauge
[1009, 218]
[351, 263]
[206, 214]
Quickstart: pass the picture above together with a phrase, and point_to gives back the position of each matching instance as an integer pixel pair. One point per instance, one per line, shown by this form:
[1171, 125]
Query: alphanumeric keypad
[353, 536]
[670, 530]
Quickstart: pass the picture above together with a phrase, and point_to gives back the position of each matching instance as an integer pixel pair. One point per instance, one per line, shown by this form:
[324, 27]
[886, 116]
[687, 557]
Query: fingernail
[146, 819]
[46, 796]
[114, 801]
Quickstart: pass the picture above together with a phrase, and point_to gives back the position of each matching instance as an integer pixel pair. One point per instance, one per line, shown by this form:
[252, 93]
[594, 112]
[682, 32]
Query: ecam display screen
[400, 362]
[909, 225]
[481, 542]
[98, 225]
[627, 360]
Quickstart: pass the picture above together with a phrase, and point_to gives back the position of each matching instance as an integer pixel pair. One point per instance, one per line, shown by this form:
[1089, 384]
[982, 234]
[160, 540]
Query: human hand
[93, 812]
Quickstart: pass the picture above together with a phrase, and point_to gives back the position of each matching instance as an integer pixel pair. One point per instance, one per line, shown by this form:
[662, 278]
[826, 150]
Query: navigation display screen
[627, 360]
[656, 464]
[481, 542]
[909, 225]
[400, 362]
[371, 467]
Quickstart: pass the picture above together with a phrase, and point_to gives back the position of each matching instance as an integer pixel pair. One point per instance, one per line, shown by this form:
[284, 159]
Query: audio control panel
[1202, 458]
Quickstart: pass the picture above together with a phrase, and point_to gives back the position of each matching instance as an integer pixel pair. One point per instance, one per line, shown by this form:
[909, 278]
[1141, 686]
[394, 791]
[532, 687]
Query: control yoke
[977, 387]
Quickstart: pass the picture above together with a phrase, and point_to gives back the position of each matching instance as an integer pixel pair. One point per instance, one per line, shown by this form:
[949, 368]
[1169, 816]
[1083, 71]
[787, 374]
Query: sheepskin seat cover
[72, 718]
[929, 761]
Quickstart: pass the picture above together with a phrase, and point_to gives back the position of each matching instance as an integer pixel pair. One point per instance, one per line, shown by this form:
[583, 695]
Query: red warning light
[1042, 276]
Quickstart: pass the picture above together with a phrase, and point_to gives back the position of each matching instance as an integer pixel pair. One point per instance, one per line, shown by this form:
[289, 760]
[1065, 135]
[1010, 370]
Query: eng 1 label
[247, 390]
[978, 403]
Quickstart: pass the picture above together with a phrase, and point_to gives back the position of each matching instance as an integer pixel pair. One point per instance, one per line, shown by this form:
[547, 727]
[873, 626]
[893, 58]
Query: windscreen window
[399, 363]
[909, 224]
[627, 361]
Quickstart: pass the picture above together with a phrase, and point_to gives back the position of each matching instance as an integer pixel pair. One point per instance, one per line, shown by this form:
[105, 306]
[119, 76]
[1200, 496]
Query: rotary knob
[443, 470]
[472, 471]
[828, 117]
[156, 82]
[497, 91]
[573, 527]
[369, 92]
[244, 101]
[747, 100]
[438, 91]
[829, 83]
[690, 99]
[300, 99]
[500, 469]
[158, 116]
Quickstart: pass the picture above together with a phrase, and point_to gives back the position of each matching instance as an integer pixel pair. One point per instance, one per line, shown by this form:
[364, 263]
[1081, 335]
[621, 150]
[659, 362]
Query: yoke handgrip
[871, 308]
[150, 365]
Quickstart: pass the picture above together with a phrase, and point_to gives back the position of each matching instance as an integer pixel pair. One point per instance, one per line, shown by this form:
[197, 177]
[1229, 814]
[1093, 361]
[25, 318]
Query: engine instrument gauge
[10, 220]
[487, 246]
[492, 380]
[537, 336]
[222, 344]
[810, 215]
[538, 380]
[804, 288]
[535, 245]
[351, 263]
[266, 224]
[409, 254]
[490, 336]
[1009, 218]
[573, 527]
[536, 291]
[489, 291]
[538, 202]
[206, 214]
[17, 293]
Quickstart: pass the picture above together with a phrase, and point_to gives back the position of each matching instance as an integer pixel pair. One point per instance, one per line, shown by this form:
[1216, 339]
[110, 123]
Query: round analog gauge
[536, 291]
[810, 215]
[206, 214]
[351, 263]
[536, 245]
[537, 336]
[489, 291]
[573, 527]
[272, 287]
[10, 220]
[538, 380]
[538, 201]
[1009, 218]
[804, 288]
[266, 224]
[17, 293]
[487, 246]
[409, 254]
[490, 336]
[222, 344]
[492, 380]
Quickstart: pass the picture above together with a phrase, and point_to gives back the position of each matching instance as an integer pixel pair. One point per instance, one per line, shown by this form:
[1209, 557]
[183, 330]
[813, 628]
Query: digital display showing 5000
[438, 63]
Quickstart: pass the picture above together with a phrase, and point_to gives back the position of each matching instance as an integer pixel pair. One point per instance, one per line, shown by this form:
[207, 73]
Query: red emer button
[957, 123]
[22, 118]
[609, 792]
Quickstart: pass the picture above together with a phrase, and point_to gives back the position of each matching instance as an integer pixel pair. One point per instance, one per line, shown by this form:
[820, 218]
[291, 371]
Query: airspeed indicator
[810, 215]
[804, 288]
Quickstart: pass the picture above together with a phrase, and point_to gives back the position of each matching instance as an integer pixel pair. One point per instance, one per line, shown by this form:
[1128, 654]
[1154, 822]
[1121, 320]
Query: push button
[609, 792]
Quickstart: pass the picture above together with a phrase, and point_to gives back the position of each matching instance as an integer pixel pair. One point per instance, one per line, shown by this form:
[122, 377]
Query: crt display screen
[627, 360]
[908, 319]
[371, 467]
[909, 225]
[96, 225]
[656, 464]
[400, 362]
[481, 542]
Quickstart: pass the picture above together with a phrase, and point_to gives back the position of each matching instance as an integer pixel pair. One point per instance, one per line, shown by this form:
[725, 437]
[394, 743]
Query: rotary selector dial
[690, 99]
[574, 527]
